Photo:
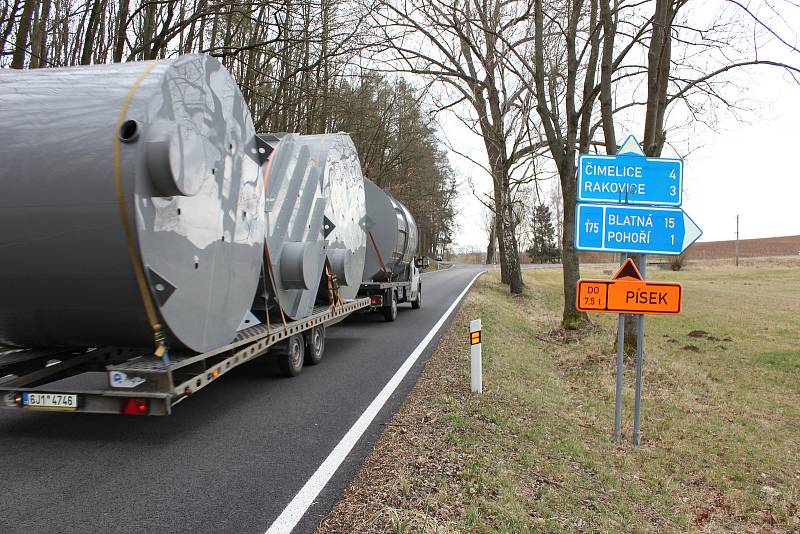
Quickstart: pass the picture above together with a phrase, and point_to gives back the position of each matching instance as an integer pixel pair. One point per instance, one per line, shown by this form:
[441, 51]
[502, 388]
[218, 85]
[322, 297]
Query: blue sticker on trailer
[630, 179]
[634, 229]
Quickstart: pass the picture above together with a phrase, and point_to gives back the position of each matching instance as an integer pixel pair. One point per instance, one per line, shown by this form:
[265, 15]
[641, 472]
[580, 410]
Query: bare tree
[296, 63]
[462, 45]
[23, 32]
[39, 36]
[680, 83]
[490, 225]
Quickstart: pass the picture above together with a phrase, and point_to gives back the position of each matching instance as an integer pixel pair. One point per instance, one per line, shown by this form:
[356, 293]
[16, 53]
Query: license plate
[50, 401]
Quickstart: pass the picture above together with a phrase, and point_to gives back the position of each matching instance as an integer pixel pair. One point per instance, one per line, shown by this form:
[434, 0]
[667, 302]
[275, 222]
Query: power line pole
[737, 240]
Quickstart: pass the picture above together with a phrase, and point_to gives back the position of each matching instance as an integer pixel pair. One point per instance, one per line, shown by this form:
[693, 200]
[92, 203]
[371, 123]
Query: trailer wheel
[390, 311]
[315, 345]
[417, 304]
[291, 357]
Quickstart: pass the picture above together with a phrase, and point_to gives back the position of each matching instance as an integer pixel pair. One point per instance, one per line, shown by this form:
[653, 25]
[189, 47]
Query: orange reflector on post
[475, 337]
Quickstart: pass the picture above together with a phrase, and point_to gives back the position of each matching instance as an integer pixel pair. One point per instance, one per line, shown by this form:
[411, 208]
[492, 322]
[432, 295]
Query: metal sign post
[620, 370]
[637, 403]
[606, 222]
[629, 293]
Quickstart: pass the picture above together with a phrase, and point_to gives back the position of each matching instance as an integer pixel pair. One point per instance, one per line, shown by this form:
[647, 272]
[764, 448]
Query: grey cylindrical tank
[315, 211]
[345, 210]
[392, 235]
[295, 211]
[178, 139]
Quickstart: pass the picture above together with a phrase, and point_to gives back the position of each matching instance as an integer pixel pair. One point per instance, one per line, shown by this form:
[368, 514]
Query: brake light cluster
[135, 407]
[377, 300]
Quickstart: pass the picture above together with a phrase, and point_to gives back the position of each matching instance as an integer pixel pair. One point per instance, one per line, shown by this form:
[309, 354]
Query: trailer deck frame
[136, 374]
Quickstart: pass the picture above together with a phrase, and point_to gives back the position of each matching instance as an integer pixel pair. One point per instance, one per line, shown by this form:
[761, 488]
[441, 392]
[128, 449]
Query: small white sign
[119, 379]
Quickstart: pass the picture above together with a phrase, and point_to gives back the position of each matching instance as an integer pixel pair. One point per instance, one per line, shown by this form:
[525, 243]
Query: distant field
[721, 419]
[769, 246]
[786, 246]
[656, 266]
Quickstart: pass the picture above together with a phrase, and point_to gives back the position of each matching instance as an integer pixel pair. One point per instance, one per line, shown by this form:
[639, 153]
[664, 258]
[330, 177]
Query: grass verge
[721, 420]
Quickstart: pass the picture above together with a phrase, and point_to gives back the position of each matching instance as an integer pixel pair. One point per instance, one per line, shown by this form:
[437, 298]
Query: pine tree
[543, 247]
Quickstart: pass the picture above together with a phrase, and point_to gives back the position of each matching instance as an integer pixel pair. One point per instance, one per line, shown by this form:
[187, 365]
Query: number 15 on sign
[636, 229]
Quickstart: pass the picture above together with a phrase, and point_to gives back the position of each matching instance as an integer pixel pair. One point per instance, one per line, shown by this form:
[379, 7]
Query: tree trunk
[8, 17]
[658, 64]
[490, 250]
[39, 39]
[91, 28]
[149, 30]
[509, 236]
[121, 30]
[496, 168]
[606, 72]
[572, 319]
[501, 243]
[18, 59]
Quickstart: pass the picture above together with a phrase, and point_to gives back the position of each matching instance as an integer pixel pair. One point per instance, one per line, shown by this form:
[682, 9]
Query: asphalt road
[228, 459]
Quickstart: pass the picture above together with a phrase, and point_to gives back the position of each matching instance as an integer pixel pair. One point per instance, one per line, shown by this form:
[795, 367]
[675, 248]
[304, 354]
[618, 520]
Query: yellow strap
[133, 251]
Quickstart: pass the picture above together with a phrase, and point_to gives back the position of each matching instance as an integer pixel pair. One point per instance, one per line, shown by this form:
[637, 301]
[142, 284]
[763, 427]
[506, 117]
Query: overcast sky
[746, 168]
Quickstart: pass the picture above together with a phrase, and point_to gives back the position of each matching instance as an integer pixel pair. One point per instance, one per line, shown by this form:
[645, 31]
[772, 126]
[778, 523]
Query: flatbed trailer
[118, 380]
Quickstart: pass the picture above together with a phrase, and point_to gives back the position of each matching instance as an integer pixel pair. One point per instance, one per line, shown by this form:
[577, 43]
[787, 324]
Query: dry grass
[720, 420]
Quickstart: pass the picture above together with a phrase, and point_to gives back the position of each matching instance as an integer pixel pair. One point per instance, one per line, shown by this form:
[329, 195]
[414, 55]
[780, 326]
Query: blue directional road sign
[634, 229]
[630, 179]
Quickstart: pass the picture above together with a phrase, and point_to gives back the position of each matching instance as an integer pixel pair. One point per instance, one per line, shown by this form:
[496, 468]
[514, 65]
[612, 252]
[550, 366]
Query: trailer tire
[417, 303]
[315, 345]
[390, 311]
[290, 359]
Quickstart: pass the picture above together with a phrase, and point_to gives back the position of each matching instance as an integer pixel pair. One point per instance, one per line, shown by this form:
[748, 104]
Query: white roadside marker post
[475, 359]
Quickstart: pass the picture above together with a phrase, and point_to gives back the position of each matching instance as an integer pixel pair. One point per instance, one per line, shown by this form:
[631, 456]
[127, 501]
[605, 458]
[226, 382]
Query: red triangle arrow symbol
[628, 271]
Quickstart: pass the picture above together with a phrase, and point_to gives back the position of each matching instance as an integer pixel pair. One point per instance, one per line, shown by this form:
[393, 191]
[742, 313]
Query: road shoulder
[533, 453]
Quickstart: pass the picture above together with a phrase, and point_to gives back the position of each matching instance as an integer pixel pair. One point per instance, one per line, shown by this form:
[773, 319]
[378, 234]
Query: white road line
[295, 510]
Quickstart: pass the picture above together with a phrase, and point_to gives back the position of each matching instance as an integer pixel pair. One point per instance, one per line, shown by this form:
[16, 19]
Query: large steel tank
[295, 215]
[315, 212]
[345, 210]
[110, 174]
[391, 236]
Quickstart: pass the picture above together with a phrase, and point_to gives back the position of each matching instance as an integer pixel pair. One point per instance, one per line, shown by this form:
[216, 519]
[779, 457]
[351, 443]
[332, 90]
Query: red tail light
[377, 300]
[134, 406]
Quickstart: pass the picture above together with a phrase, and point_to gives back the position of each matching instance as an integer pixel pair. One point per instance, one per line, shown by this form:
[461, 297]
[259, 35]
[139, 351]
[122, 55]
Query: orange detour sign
[628, 293]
